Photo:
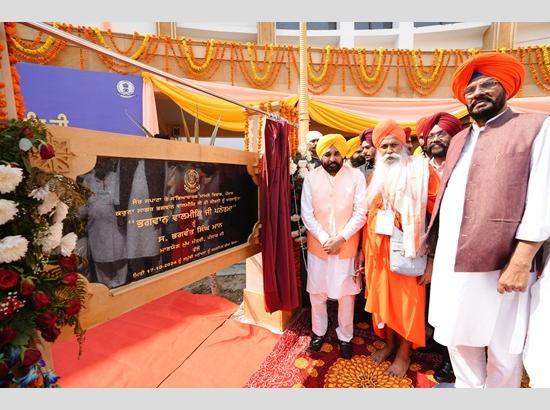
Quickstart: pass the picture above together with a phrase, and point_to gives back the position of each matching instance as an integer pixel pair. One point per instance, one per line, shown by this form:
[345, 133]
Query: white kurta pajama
[333, 278]
[465, 309]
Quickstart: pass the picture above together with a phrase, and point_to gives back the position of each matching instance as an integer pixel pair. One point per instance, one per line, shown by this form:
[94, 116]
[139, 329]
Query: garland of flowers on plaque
[40, 291]
[423, 79]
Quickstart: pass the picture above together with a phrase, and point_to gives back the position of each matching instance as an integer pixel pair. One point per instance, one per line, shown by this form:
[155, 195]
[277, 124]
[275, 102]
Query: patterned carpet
[289, 365]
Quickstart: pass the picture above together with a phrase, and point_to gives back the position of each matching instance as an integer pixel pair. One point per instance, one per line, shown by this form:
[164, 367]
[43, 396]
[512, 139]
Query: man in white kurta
[484, 329]
[332, 276]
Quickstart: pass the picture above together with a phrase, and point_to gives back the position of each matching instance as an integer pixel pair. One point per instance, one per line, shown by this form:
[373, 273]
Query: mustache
[481, 99]
[440, 143]
[388, 156]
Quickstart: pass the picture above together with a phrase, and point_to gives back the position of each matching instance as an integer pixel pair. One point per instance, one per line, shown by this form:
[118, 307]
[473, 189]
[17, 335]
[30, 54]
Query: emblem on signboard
[125, 88]
[191, 181]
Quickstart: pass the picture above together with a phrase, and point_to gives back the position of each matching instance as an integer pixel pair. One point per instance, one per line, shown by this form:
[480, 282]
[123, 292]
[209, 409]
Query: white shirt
[438, 168]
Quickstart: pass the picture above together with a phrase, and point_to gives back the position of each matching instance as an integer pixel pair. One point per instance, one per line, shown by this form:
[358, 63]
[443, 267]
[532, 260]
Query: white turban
[313, 135]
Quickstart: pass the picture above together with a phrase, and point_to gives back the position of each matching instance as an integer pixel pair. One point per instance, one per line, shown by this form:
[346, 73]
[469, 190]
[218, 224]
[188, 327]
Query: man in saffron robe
[403, 187]
[333, 211]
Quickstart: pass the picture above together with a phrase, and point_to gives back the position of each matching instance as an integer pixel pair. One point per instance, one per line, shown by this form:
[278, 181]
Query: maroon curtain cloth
[280, 287]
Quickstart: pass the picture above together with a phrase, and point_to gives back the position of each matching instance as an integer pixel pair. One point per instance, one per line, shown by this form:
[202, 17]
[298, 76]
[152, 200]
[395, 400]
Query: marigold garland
[15, 78]
[254, 62]
[532, 61]
[191, 58]
[435, 67]
[362, 62]
[325, 58]
[134, 56]
[3, 112]
[368, 88]
[246, 134]
[261, 124]
[291, 114]
[368, 77]
[119, 50]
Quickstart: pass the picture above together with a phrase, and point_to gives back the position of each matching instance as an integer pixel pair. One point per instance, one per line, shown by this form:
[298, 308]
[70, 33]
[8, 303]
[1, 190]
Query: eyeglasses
[486, 85]
[440, 135]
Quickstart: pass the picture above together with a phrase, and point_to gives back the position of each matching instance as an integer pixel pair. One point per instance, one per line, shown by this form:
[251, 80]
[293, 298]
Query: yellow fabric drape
[209, 108]
[352, 123]
[233, 116]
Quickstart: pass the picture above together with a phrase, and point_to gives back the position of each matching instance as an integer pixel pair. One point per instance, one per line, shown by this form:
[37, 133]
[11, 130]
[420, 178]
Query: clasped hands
[333, 245]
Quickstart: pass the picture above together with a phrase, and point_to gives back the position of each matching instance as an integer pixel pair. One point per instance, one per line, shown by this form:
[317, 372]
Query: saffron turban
[386, 128]
[353, 145]
[327, 141]
[313, 135]
[449, 123]
[420, 126]
[366, 135]
[504, 68]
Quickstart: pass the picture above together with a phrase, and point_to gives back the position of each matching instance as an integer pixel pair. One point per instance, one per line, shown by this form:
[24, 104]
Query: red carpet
[288, 365]
[142, 347]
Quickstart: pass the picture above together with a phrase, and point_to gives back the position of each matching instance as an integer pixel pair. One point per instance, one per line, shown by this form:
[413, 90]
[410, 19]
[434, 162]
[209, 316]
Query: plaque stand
[253, 300]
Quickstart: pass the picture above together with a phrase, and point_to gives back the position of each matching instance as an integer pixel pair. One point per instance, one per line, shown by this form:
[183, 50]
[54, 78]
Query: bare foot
[380, 355]
[399, 366]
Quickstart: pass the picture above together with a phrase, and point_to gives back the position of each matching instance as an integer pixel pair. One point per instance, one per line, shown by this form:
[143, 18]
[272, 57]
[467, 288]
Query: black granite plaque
[148, 216]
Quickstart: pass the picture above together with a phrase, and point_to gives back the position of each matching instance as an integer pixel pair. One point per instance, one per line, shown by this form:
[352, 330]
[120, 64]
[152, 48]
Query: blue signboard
[83, 99]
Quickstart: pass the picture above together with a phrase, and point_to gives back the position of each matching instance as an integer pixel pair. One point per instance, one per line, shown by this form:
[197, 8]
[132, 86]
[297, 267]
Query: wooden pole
[5, 75]
[303, 115]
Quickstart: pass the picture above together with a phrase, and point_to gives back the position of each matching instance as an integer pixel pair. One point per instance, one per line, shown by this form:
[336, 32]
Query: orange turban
[353, 144]
[385, 128]
[502, 67]
[327, 141]
[419, 127]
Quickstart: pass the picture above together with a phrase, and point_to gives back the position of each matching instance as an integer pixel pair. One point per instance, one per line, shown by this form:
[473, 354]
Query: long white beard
[387, 176]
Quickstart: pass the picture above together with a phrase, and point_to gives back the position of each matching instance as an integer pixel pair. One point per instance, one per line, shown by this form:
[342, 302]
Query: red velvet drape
[280, 287]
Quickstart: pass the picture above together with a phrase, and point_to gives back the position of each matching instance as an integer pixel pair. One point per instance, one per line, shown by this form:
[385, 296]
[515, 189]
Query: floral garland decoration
[254, 61]
[40, 291]
[134, 56]
[380, 61]
[3, 104]
[19, 103]
[188, 51]
[533, 61]
[325, 59]
[246, 133]
[435, 67]
[119, 50]
[369, 88]
[263, 73]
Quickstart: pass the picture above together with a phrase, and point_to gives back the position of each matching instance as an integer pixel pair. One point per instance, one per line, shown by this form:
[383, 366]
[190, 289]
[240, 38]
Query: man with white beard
[402, 190]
